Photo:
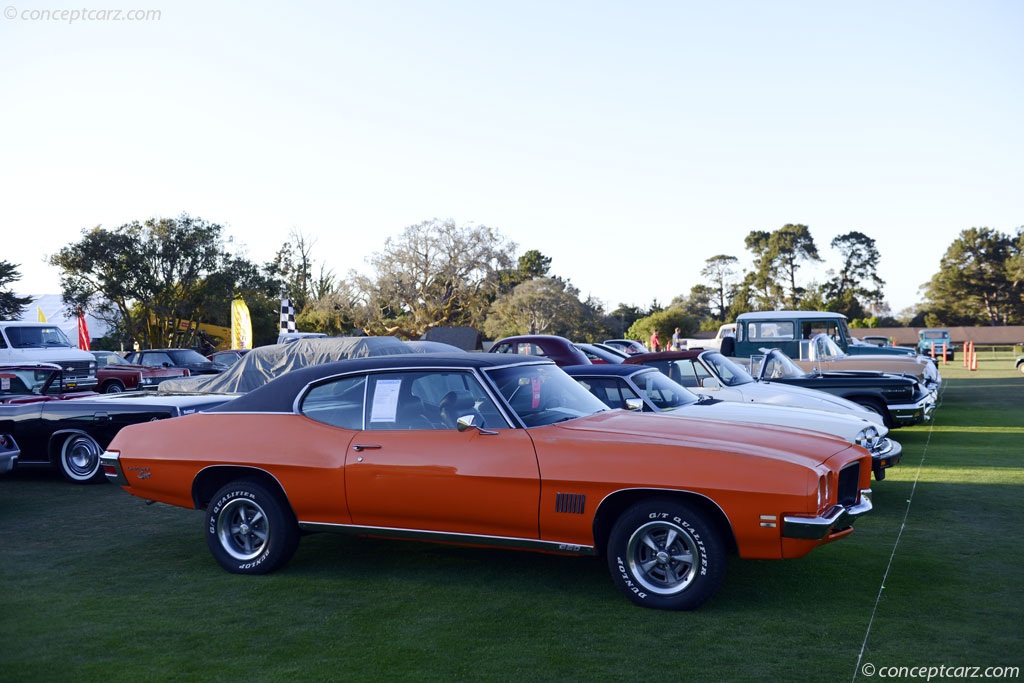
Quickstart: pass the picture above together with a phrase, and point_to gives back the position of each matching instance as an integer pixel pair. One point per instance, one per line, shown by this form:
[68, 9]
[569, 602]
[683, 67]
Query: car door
[411, 468]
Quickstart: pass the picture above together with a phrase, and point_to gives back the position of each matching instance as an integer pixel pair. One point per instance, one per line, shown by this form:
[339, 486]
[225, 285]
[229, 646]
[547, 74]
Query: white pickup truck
[22, 342]
[726, 330]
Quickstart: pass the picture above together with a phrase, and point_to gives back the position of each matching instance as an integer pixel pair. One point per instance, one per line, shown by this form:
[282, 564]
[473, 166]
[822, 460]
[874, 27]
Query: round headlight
[867, 438]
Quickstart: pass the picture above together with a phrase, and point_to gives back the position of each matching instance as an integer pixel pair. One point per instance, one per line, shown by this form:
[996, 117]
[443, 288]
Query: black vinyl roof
[278, 395]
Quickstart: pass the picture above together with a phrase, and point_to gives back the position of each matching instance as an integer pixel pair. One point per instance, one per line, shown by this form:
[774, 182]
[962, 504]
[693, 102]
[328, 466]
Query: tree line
[153, 281]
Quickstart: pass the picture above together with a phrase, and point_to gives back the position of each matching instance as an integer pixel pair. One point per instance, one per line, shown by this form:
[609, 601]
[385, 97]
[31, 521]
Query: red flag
[83, 333]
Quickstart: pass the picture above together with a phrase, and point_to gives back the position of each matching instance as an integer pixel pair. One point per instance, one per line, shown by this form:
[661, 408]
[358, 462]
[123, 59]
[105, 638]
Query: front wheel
[666, 555]
[877, 408]
[114, 387]
[249, 529]
[80, 459]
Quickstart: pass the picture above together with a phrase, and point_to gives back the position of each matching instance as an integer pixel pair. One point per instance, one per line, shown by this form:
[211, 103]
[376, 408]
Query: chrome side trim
[113, 459]
[815, 528]
[451, 537]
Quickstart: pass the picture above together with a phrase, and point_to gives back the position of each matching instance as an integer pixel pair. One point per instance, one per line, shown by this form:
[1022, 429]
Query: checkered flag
[287, 313]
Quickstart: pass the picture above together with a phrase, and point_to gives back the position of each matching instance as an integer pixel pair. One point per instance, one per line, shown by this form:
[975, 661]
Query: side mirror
[636, 404]
[469, 422]
[711, 383]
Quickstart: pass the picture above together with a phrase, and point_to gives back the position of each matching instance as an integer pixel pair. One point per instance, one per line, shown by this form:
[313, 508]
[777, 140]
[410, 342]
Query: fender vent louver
[570, 502]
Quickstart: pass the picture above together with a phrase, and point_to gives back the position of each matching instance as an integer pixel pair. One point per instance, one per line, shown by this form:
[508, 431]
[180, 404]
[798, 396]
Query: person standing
[677, 344]
[655, 342]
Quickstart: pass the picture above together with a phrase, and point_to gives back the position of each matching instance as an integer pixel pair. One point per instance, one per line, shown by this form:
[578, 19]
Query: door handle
[364, 446]
[100, 417]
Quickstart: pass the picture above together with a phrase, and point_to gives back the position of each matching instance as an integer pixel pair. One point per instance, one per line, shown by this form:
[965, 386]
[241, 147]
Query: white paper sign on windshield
[385, 400]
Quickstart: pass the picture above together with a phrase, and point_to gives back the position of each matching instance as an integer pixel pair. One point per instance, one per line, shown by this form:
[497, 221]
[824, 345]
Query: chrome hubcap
[81, 457]
[242, 529]
[663, 557]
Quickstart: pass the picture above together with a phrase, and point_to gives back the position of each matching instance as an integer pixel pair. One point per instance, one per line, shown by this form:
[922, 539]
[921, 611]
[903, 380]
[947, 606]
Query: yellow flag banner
[42, 316]
[241, 325]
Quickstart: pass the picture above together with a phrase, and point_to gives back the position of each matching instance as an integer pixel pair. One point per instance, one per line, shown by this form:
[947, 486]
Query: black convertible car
[68, 432]
[899, 399]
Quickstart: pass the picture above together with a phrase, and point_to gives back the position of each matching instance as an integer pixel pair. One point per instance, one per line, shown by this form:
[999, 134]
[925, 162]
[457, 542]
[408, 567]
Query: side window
[611, 391]
[503, 348]
[3, 342]
[701, 372]
[770, 331]
[338, 403]
[529, 349]
[829, 327]
[156, 359]
[679, 371]
[428, 400]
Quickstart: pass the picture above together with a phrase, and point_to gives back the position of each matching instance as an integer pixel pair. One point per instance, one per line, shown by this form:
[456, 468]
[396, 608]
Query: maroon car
[558, 349]
[114, 374]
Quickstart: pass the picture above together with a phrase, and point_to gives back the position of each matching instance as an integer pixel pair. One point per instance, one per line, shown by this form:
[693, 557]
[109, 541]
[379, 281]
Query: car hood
[56, 354]
[846, 427]
[776, 443]
[774, 393]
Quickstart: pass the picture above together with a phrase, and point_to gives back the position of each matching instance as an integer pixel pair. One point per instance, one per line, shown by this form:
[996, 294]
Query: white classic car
[636, 387]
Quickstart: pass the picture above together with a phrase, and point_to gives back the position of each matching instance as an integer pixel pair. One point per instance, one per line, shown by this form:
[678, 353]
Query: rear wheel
[113, 387]
[249, 529]
[666, 555]
[80, 459]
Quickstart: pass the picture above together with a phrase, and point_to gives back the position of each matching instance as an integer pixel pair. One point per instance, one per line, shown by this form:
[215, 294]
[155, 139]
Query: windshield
[828, 348]
[542, 394]
[934, 334]
[186, 356]
[36, 337]
[108, 358]
[778, 365]
[661, 391]
[728, 372]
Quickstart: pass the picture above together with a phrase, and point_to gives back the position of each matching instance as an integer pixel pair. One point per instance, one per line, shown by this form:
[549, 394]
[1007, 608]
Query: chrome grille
[74, 369]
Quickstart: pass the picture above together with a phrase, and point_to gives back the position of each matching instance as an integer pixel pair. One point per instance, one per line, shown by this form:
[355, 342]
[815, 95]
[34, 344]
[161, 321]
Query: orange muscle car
[493, 450]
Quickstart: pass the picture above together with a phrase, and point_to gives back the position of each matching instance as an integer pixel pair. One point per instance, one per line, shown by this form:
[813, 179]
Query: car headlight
[867, 438]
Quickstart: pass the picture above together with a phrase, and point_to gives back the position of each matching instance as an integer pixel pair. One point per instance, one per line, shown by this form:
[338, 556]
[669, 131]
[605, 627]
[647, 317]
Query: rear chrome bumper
[837, 518]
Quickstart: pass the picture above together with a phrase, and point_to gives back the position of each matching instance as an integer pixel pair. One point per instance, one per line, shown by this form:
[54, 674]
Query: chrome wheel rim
[242, 529]
[114, 388]
[663, 557]
[80, 457]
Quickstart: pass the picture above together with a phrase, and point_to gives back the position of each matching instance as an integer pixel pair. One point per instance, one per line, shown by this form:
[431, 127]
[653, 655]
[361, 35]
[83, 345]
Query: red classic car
[558, 349]
[493, 450]
[114, 374]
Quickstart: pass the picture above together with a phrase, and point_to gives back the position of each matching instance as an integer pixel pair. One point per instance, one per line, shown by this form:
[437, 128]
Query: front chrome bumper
[885, 455]
[837, 518]
[906, 414]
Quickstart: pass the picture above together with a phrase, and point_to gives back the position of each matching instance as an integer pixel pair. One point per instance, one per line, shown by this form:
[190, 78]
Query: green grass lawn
[96, 585]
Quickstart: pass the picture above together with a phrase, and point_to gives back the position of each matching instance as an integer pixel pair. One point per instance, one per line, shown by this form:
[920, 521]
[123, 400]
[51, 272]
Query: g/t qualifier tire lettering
[250, 529]
[665, 554]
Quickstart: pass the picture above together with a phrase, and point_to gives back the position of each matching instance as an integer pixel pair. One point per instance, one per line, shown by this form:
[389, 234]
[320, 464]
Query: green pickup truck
[785, 329]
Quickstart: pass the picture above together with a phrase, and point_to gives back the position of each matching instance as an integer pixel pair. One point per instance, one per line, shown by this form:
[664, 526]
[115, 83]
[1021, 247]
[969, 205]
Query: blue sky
[629, 142]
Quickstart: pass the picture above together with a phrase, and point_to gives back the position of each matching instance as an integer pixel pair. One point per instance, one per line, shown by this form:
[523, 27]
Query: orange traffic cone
[933, 348]
[974, 358]
[943, 353]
